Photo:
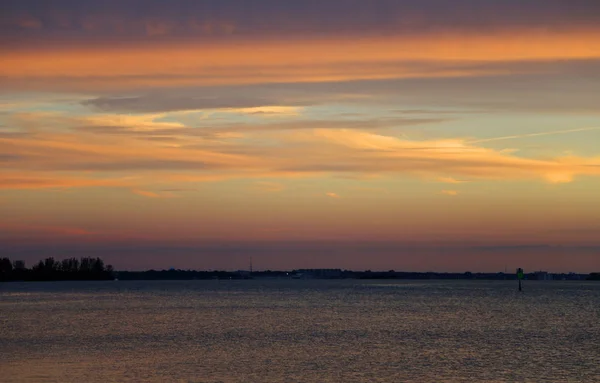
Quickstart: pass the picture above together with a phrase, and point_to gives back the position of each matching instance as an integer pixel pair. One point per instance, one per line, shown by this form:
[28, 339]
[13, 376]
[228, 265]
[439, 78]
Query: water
[299, 331]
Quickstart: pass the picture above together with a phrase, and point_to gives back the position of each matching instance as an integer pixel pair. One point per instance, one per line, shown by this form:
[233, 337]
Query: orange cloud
[29, 22]
[211, 27]
[149, 194]
[272, 187]
[454, 156]
[332, 195]
[47, 230]
[34, 180]
[176, 64]
[157, 28]
[450, 180]
[145, 193]
[75, 157]
[450, 192]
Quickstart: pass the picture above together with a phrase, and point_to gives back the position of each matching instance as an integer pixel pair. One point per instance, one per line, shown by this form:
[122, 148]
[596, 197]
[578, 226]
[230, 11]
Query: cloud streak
[451, 193]
[270, 187]
[47, 230]
[332, 151]
[550, 133]
[187, 64]
[221, 20]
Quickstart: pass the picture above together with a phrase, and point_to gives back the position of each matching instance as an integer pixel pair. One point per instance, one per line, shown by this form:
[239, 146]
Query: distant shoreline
[342, 274]
[94, 269]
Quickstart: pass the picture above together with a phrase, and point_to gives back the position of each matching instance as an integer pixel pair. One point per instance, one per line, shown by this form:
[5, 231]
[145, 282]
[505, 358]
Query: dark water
[299, 331]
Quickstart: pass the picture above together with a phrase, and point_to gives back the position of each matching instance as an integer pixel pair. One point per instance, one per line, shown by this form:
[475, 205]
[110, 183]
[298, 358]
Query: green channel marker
[520, 276]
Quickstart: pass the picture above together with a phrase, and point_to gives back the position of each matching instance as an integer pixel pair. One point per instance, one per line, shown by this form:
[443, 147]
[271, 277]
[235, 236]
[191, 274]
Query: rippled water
[299, 331]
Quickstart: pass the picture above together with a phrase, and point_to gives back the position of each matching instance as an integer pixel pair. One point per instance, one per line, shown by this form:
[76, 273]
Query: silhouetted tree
[97, 266]
[52, 270]
[6, 268]
[18, 265]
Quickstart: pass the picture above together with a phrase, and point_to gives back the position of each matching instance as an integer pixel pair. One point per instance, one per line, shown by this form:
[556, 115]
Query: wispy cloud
[33, 229]
[277, 111]
[47, 160]
[179, 190]
[28, 22]
[451, 156]
[549, 133]
[151, 194]
[167, 65]
[50, 180]
[450, 180]
[450, 192]
[145, 193]
[272, 187]
[371, 189]
[158, 28]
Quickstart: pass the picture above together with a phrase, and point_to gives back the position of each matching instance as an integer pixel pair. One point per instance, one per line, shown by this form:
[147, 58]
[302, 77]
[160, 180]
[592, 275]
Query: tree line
[49, 269]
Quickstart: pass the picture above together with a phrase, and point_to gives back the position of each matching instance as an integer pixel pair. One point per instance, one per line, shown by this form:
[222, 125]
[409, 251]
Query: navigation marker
[520, 276]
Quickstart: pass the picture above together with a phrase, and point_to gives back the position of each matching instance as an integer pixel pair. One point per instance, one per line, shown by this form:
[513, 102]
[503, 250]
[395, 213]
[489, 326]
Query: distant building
[244, 274]
[543, 276]
[318, 273]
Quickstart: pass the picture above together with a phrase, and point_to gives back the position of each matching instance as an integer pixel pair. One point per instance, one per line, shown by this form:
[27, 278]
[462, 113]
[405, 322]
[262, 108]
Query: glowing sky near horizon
[409, 135]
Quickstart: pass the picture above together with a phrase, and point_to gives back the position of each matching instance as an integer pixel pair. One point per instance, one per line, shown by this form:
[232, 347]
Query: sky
[429, 135]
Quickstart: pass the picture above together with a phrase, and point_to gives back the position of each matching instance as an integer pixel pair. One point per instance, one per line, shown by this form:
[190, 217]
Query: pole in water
[520, 276]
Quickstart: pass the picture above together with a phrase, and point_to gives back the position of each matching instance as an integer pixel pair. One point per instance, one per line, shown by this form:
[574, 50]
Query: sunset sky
[384, 134]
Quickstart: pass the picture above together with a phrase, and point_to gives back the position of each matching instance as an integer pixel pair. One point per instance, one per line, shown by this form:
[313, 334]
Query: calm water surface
[299, 331]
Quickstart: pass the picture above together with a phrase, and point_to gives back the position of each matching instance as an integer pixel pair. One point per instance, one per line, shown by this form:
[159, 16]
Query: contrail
[534, 135]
